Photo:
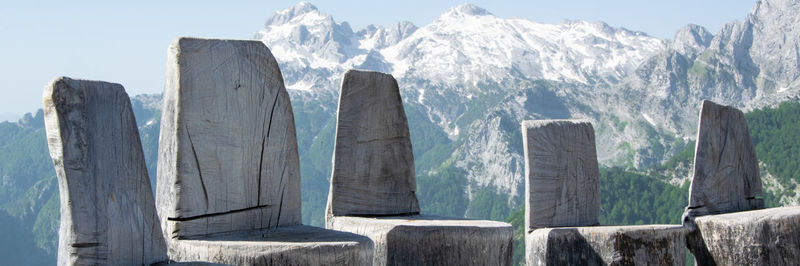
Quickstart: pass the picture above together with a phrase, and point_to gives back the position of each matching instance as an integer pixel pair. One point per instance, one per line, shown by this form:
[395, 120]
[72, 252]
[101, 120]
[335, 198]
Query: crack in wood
[272, 113]
[280, 208]
[197, 162]
[260, 167]
[263, 142]
[207, 215]
[85, 245]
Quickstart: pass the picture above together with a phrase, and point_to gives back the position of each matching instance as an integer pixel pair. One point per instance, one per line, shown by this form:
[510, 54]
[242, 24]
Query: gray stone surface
[725, 166]
[108, 215]
[432, 240]
[606, 245]
[227, 151]
[760, 237]
[286, 245]
[373, 166]
[562, 176]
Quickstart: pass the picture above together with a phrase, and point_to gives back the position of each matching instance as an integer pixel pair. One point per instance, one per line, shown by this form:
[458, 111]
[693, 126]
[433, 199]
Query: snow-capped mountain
[461, 47]
[468, 78]
[448, 67]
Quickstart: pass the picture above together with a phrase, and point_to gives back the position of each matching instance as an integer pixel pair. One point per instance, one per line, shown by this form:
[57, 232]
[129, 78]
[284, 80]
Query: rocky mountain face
[748, 64]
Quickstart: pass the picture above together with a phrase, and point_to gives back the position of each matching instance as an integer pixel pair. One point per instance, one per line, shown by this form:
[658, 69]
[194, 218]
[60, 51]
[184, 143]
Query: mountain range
[468, 79]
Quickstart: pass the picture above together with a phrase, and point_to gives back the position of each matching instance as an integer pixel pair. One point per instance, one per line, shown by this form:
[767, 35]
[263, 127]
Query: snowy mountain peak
[464, 46]
[465, 10]
[691, 40]
[287, 15]
[377, 37]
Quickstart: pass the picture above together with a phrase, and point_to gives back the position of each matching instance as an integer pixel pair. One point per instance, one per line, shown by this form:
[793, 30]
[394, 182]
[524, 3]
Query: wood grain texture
[726, 175]
[108, 215]
[286, 245]
[562, 184]
[760, 237]
[227, 151]
[373, 165]
[606, 245]
[432, 240]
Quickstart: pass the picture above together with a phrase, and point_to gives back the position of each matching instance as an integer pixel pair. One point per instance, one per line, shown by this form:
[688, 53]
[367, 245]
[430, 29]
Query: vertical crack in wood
[260, 167]
[263, 142]
[197, 162]
[271, 113]
[280, 208]
[724, 140]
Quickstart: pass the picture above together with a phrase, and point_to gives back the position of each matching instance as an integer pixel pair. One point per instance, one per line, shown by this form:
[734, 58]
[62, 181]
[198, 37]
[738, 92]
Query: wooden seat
[562, 196]
[726, 223]
[108, 216]
[373, 186]
[229, 174]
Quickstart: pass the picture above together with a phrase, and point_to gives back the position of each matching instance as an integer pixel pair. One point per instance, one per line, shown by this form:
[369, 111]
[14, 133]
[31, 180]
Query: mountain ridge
[474, 76]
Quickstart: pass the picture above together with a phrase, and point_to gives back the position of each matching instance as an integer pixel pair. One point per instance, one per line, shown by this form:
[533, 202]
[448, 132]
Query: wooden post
[107, 212]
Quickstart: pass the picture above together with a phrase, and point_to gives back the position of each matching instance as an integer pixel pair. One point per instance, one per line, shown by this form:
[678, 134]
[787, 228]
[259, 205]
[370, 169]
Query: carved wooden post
[107, 212]
[373, 186]
[373, 166]
[725, 225]
[562, 172]
[227, 150]
[562, 193]
[725, 166]
[229, 173]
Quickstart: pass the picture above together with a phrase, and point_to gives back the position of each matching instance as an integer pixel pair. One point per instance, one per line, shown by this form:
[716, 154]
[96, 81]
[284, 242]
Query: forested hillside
[28, 194]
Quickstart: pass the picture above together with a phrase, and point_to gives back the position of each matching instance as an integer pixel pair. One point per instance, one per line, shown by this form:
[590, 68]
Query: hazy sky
[126, 42]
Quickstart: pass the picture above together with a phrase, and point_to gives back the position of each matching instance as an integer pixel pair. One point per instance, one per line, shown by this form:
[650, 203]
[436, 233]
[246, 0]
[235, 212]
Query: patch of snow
[302, 85]
[649, 119]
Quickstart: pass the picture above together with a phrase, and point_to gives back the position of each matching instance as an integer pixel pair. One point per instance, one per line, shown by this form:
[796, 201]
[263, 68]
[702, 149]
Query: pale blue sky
[126, 42]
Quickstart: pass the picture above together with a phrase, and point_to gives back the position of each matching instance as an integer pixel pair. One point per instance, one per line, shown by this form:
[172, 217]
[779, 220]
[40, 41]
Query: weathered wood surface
[432, 240]
[726, 175]
[606, 245]
[562, 184]
[108, 215]
[760, 237]
[227, 151]
[373, 165]
[286, 245]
